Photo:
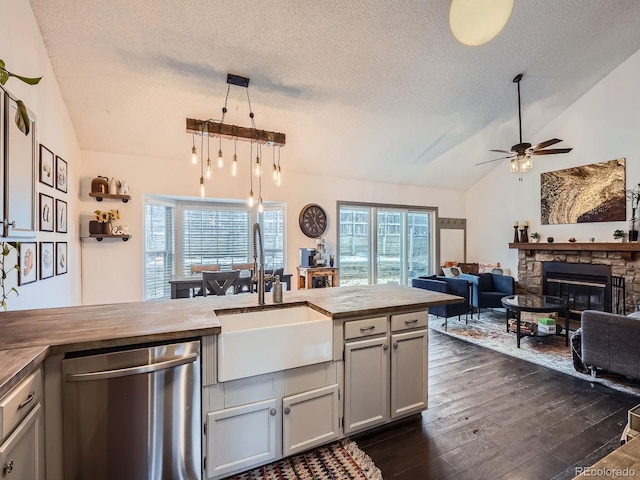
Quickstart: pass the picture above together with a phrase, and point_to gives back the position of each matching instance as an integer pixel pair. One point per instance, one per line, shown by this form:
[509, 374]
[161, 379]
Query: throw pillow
[635, 314]
[452, 272]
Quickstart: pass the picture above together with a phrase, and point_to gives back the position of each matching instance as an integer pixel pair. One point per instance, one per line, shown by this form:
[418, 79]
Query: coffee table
[537, 304]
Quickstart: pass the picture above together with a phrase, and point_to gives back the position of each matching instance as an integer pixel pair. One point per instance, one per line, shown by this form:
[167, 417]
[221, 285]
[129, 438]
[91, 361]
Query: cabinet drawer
[405, 321]
[365, 328]
[18, 403]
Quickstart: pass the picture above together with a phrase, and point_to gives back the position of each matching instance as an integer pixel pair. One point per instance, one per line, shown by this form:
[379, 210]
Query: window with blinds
[159, 234]
[215, 235]
[183, 234]
[272, 225]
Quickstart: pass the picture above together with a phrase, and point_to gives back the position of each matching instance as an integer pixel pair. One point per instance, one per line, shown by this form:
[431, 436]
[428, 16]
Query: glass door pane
[419, 244]
[354, 246]
[389, 239]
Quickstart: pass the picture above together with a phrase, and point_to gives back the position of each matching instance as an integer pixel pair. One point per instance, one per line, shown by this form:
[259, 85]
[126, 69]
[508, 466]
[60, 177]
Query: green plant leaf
[13, 289]
[4, 305]
[2, 63]
[4, 76]
[29, 80]
[22, 118]
[5, 250]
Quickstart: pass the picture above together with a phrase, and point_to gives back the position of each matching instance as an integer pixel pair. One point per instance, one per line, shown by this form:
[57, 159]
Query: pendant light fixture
[213, 128]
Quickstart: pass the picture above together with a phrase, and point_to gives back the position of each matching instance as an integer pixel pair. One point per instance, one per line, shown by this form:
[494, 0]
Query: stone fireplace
[599, 276]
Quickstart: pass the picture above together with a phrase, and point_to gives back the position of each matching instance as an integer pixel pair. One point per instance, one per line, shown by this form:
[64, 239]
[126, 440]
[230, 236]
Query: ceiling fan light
[513, 165]
[476, 22]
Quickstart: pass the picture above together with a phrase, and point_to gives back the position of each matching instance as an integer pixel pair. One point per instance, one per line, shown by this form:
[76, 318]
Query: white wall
[112, 270]
[24, 52]
[600, 126]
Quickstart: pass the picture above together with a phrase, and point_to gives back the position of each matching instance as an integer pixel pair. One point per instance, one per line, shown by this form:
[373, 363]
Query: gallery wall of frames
[45, 259]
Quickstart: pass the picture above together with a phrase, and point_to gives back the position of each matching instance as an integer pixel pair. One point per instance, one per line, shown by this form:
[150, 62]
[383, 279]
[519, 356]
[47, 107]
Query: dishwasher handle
[124, 372]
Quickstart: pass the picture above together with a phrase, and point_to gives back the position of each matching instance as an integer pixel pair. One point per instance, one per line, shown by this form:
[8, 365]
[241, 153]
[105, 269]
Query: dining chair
[219, 283]
[245, 283]
[214, 267]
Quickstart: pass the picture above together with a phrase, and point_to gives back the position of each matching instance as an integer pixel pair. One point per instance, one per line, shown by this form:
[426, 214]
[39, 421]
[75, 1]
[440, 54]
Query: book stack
[526, 328]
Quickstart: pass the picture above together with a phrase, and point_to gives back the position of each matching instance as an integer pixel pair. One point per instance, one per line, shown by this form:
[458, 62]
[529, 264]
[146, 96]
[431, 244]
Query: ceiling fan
[521, 153]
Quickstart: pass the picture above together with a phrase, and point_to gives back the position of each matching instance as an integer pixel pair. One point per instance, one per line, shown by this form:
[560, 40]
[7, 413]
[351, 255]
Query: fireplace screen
[584, 286]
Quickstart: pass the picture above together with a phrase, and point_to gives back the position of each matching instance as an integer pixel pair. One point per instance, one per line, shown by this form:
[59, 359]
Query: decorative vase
[535, 240]
[95, 227]
[100, 185]
[633, 228]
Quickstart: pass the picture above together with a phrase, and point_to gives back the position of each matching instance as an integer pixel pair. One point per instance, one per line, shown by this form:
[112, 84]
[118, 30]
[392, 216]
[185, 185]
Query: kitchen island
[28, 337]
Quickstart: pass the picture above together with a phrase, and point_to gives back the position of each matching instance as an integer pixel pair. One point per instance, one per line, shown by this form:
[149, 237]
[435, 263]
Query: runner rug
[341, 460]
[490, 331]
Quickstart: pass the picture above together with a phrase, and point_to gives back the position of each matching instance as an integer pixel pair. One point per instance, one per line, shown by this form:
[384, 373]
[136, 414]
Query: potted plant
[535, 237]
[619, 235]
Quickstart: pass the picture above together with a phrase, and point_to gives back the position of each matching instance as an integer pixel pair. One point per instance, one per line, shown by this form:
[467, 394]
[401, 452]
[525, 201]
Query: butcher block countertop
[27, 336]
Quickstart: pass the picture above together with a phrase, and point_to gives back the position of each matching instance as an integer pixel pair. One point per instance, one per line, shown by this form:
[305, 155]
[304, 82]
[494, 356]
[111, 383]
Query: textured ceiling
[370, 89]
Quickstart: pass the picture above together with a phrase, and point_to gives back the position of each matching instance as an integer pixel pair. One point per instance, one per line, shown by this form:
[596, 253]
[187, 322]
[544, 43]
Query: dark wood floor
[494, 416]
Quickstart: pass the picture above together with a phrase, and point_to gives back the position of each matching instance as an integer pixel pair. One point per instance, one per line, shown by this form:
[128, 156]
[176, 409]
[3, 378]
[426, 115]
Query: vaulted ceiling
[367, 89]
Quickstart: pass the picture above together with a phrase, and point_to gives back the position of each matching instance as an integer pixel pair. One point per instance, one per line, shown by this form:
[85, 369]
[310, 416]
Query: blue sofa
[452, 286]
[489, 288]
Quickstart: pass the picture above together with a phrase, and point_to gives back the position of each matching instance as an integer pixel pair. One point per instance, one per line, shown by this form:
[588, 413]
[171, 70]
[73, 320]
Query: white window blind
[159, 249]
[215, 235]
[272, 225]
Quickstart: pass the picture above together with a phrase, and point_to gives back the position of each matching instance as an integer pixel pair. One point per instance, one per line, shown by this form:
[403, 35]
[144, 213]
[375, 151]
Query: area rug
[341, 460]
[490, 331]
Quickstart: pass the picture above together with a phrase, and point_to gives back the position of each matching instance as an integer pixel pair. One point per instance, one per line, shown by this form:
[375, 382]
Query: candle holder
[524, 234]
[515, 234]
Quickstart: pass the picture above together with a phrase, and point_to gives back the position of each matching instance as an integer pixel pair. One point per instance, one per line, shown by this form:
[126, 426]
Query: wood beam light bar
[215, 129]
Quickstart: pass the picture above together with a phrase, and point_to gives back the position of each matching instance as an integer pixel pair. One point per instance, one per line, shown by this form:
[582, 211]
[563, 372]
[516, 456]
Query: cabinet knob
[385, 347]
[272, 412]
[7, 223]
[395, 346]
[8, 468]
[287, 411]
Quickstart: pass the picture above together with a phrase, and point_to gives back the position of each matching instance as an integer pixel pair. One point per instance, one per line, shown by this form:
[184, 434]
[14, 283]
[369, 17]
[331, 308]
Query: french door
[384, 244]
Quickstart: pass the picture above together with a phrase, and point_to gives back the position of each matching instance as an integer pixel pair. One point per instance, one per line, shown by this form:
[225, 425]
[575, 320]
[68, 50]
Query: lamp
[476, 22]
[213, 128]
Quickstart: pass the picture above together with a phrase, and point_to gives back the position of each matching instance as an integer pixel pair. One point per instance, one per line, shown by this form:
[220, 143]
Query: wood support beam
[215, 129]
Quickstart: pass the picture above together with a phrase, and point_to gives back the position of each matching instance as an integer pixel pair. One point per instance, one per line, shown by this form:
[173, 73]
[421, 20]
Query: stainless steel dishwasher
[133, 414]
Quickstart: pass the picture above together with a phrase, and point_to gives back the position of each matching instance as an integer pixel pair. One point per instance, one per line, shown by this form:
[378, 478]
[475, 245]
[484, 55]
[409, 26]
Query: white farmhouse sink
[271, 340]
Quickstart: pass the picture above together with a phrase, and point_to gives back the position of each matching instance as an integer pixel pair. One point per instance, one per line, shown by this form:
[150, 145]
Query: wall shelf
[100, 196]
[100, 236]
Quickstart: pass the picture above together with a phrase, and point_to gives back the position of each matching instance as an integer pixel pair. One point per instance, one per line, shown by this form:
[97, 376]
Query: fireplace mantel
[627, 249]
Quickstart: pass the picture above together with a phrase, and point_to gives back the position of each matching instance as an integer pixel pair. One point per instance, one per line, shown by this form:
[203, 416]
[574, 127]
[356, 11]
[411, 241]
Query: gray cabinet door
[366, 384]
[310, 419]
[19, 187]
[22, 453]
[408, 372]
[239, 438]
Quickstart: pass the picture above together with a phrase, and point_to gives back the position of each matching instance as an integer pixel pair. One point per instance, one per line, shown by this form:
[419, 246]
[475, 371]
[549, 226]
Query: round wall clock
[313, 220]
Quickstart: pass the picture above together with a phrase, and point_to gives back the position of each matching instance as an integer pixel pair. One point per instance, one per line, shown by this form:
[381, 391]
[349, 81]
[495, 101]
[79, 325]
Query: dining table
[188, 285]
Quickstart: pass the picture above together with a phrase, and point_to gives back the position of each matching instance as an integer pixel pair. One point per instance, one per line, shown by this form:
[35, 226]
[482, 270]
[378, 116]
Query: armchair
[489, 288]
[452, 286]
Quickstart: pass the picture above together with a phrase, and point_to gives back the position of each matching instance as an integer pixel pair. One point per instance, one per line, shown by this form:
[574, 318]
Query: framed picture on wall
[28, 261]
[61, 216]
[61, 174]
[46, 213]
[61, 258]
[47, 259]
[46, 166]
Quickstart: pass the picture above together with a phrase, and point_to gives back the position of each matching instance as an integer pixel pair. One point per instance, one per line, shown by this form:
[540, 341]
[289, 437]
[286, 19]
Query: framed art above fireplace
[585, 194]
